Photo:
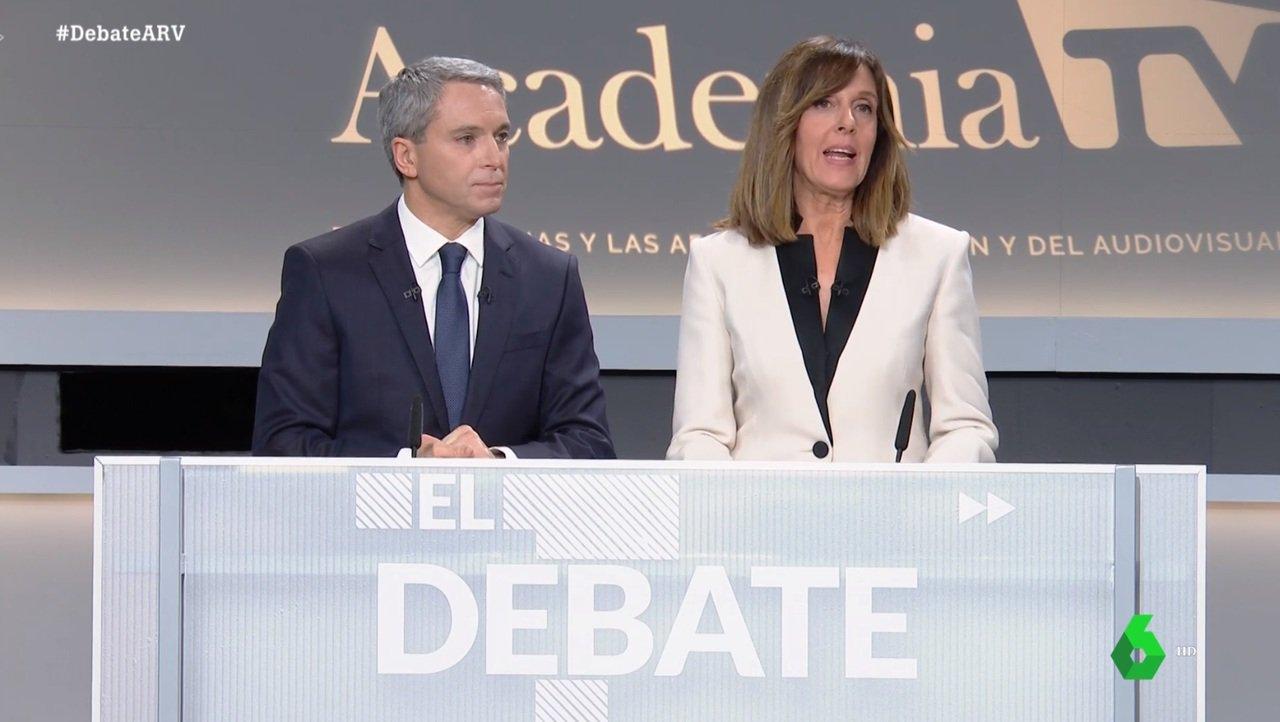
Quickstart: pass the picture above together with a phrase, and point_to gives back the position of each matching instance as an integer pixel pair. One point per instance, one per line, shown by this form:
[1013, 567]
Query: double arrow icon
[996, 508]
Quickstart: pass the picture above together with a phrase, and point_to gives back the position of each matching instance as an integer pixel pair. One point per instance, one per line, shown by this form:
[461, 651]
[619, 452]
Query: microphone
[485, 294]
[415, 426]
[413, 294]
[904, 424]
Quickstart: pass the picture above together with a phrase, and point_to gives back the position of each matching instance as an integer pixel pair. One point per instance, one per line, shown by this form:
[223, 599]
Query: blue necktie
[453, 332]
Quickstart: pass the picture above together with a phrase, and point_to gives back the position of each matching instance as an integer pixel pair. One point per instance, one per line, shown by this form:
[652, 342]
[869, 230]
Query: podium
[376, 589]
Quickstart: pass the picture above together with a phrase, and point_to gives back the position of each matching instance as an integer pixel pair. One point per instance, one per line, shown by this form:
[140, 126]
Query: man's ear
[405, 154]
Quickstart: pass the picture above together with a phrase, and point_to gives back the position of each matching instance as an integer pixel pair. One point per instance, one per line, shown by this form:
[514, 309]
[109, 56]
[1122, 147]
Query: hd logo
[1179, 67]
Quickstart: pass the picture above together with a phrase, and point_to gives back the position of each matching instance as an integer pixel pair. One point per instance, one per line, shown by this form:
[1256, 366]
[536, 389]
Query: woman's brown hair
[762, 206]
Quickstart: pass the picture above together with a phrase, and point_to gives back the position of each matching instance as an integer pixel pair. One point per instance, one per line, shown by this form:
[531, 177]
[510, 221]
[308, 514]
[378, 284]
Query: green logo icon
[1136, 638]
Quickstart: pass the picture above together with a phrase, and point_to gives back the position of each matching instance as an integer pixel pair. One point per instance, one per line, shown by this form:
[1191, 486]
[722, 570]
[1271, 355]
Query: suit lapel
[497, 307]
[799, 272]
[882, 303]
[389, 259]
[857, 262]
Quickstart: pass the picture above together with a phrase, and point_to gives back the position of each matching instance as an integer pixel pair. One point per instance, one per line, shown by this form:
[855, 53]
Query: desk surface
[1222, 488]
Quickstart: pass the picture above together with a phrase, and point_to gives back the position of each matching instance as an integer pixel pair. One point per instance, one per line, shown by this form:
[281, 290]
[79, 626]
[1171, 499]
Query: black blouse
[822, 350]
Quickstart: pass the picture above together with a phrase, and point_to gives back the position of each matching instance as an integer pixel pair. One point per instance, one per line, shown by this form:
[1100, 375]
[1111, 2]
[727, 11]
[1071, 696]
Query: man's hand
[461, 443]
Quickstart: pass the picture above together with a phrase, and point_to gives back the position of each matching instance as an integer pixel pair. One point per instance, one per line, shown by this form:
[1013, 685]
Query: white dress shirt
[424, 254]
[424, 244]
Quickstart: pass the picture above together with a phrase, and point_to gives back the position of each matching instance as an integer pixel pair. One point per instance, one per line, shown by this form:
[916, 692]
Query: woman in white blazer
[821, 301]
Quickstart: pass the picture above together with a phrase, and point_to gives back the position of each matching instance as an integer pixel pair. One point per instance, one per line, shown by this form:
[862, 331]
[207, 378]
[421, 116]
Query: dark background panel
[1228, 423]
[132, 410]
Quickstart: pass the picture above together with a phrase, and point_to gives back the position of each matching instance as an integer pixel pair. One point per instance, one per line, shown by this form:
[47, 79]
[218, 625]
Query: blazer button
[820, 449]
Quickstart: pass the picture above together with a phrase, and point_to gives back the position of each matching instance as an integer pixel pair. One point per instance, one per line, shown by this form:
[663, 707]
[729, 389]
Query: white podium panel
[126, 570]
[380, 590]
[1171, 526]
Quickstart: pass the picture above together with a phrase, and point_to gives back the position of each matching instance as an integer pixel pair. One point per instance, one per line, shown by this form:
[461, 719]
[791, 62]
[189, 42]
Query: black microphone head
[904, 421]
[415, 423]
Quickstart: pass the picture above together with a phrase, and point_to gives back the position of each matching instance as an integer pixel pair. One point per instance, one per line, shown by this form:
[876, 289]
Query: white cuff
[506, 452]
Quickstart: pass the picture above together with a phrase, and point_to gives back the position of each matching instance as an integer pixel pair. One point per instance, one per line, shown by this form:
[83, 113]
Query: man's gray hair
[407, 103]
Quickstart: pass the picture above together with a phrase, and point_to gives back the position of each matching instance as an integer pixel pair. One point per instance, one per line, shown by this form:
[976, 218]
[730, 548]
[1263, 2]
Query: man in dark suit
[433, 298]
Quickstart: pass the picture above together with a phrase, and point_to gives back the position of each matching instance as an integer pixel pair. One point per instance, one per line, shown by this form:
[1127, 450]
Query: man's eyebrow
[477, 129]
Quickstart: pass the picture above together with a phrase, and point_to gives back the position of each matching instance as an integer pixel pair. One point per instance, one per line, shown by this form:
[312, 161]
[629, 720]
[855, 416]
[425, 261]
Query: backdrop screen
[1110, 159]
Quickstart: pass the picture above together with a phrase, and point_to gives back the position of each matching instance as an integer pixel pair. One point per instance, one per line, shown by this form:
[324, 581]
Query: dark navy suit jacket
[349, 350]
